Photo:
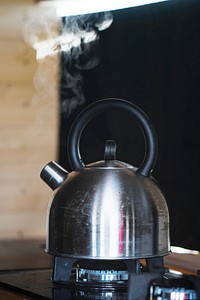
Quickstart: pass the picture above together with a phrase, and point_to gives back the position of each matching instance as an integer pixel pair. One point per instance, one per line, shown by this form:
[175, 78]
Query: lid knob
[110, 150]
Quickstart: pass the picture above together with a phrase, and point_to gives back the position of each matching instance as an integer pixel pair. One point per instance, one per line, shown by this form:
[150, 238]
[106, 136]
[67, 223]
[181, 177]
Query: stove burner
[100, 280]
[104, 276]
[101, 272]
[85, 271]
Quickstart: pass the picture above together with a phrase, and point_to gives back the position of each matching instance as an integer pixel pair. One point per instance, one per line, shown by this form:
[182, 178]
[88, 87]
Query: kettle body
[107, 209]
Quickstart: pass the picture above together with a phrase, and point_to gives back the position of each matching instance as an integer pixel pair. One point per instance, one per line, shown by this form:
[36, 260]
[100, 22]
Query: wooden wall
[28, 126]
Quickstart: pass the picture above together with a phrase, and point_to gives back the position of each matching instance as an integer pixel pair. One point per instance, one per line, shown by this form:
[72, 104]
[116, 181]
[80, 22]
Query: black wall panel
[150, 56]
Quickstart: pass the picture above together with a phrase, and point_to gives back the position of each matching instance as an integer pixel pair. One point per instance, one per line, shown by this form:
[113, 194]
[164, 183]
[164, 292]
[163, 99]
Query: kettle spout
[53, 174]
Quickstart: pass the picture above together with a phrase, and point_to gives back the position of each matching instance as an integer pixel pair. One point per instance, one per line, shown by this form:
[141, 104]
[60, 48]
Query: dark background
[150, 56]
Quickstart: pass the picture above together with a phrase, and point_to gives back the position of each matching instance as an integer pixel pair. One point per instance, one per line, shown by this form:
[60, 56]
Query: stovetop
[26, 269]
[36, 284]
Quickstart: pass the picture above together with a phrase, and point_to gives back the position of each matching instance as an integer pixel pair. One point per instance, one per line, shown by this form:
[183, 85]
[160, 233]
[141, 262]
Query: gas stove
[36, 284]
[141, 280]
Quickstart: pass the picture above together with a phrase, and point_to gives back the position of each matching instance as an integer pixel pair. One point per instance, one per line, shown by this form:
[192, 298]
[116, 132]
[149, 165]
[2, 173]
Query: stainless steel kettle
[107, 209]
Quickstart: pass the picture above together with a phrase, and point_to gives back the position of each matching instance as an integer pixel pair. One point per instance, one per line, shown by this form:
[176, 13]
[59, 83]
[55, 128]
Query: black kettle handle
[103, 105]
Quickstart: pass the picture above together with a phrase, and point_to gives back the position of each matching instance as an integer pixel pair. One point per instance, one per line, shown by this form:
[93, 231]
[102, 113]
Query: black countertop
[22, 263]
[23, 254]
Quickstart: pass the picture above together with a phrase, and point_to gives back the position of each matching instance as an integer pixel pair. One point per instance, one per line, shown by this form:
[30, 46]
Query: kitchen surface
[26, 269]
[155, 65]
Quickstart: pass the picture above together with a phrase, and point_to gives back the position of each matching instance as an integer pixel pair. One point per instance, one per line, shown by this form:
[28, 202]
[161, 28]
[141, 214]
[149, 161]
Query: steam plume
[75, 40]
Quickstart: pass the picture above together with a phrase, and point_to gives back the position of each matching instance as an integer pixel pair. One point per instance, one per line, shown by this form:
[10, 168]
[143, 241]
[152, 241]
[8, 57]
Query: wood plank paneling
[21, 61]
[28, 126]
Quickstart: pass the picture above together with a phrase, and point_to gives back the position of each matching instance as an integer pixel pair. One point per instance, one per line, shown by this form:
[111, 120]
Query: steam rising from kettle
[107, 209]
[75, 41]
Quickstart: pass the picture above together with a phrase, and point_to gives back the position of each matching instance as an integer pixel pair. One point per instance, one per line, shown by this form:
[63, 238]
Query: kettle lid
[110, 159]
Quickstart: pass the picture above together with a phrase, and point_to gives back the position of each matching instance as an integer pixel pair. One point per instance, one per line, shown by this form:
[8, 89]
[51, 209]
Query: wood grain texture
[28, 126]
[185, 263]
